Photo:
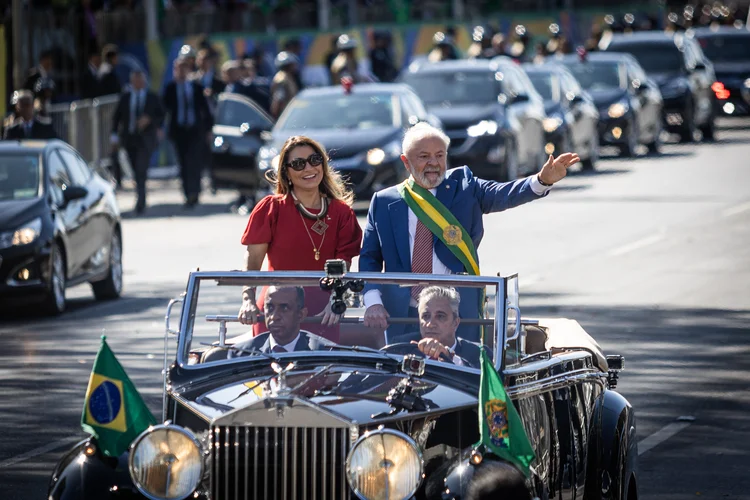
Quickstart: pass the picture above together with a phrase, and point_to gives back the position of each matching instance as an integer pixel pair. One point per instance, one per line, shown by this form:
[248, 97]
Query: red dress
[276, 221]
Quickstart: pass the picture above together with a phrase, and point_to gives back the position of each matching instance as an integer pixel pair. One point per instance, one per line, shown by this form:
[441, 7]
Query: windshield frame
[503, 303]
[41, 172]
[396, 122]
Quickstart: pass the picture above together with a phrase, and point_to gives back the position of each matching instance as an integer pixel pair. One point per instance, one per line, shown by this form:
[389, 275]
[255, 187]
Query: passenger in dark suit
[438, 322]
[27, 126]
[284, 309]
[138, 116]
[190, 123]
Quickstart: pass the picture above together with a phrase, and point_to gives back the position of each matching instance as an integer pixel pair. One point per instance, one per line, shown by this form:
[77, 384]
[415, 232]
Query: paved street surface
[651, 255]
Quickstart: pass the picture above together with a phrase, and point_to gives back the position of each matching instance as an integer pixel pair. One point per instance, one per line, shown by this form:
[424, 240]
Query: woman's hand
[329, 318]
[249, 312]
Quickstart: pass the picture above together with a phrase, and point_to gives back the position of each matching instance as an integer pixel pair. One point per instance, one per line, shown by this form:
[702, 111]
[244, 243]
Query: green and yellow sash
[441, 222]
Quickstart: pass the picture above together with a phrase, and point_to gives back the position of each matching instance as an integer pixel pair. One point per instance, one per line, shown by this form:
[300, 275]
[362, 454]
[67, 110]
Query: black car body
[290, 425]
[361, 128]
[684, 75]
[59, 225]
[728, 49]
[238, 125]
[629, 103]
[490, 111]
[572, 122]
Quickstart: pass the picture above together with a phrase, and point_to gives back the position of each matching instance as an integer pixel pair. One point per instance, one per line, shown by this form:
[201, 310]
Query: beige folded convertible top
[563, 333]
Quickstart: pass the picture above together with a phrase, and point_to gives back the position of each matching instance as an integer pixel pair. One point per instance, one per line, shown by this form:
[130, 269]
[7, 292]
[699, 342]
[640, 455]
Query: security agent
[27, 126]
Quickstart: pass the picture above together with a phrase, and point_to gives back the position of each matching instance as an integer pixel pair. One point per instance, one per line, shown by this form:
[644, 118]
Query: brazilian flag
[114, 413]
[501, 430]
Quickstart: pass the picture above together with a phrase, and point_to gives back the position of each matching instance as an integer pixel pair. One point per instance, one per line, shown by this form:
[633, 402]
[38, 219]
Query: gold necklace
[316, 250]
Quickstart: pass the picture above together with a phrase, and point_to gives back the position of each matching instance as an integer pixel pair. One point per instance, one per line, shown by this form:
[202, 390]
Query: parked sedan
[572, 117]
[684, 75]
[489, 109]
[361, 128]
[729, 51]
[630, 105]
[59, 226]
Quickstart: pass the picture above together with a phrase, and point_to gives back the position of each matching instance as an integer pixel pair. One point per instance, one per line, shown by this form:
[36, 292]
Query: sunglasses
[298, 164]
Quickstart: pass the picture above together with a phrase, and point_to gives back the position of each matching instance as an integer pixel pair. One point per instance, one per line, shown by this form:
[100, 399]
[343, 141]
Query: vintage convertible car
[350, 420]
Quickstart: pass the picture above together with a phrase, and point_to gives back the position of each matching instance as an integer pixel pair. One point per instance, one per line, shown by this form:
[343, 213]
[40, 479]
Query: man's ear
[405, 161]
[303, 313]
[456, 321]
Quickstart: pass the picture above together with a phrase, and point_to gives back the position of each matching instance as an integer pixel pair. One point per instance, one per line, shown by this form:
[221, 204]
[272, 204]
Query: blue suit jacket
[386, 238]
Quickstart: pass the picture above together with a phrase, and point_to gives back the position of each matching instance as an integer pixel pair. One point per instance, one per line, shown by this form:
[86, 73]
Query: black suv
[684, 75]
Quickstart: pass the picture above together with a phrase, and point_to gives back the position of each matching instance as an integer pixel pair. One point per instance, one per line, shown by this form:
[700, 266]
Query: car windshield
[457, 87]
[598, 75]
[727, 48]
[235, 113]
[654, 58]
[293, 302]
[19, 177]
[546, 84]
[354, 111]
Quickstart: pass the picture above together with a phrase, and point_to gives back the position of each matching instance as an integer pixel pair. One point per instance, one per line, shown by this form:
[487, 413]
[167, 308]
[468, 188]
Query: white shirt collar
[289, 347]
[432, 190]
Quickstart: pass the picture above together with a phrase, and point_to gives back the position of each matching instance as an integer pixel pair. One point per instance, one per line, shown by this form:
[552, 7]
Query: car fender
[613, 449]
[84, 476]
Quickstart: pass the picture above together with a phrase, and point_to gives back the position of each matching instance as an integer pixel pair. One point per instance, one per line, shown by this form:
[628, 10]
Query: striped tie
[421, 256]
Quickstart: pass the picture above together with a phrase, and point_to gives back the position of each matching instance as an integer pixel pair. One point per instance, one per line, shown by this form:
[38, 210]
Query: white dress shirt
[374, 297]
[289, 347]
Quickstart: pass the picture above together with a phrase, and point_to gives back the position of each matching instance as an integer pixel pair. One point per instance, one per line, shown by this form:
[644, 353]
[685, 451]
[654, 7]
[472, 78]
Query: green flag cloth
[113, 411]
[500, 428]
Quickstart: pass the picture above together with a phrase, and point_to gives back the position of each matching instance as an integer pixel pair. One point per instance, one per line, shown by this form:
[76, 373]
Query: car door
[94, 218]
[67, 216]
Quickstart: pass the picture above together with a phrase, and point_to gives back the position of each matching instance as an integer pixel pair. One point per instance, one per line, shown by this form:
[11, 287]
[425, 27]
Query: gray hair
[421, 131]
[441, 292]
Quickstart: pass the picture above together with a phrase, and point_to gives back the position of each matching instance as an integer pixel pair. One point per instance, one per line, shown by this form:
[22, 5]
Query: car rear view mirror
[74, 193]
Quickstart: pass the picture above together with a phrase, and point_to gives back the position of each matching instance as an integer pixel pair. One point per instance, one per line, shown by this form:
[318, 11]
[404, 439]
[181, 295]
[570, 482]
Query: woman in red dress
[307, 221]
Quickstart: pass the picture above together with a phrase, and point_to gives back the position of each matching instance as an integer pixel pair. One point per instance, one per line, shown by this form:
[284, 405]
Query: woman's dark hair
[495, 480]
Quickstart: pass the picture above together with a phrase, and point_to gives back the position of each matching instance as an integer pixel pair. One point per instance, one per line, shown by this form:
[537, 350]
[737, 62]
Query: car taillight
[720, 91]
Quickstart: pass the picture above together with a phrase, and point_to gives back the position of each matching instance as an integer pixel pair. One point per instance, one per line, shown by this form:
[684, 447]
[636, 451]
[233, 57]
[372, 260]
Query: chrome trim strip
[247, 461]
[295, 442]
[314, 461]
[325, 457]
[255, 464]
[304, 454]
[237, 462]
[265, 462]
[285, 442]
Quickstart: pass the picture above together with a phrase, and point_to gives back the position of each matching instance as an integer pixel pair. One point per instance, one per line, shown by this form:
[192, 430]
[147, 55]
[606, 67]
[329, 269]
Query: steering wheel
[404, 348]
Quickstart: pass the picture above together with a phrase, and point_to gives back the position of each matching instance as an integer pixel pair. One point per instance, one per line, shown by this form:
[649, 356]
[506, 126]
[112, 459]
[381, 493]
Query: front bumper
[24, 273]
[675, 111]
[484, 155]
[613, 131]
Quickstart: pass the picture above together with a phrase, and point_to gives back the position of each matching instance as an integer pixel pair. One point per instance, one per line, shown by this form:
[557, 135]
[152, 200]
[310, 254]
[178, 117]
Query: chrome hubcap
[58, 281]
[115, 262]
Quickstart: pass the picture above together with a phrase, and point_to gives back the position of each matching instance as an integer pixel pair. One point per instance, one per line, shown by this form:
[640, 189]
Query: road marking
[39, 451]
[644, 242]
[660, 436]
[737, 209]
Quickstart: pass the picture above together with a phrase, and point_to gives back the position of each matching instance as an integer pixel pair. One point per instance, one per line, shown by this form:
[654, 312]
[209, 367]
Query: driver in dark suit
[284, 309]
[438, 322]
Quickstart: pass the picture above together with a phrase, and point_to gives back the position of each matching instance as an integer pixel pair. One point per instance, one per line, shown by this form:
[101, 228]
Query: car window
[512, 81]
[19, 177]
[58, 177]
[355, 111]
[458, 87]
[726, 48]
[235, 113]
[654, 58]
[570, 84]
[77, 169]
[598, 75]
[547, 84]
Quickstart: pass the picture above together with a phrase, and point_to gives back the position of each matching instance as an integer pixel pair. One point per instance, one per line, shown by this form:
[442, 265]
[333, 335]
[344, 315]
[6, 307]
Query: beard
[424, 181]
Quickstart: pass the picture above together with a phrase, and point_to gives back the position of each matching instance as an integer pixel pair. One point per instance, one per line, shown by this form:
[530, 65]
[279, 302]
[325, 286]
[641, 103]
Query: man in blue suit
[400, 237]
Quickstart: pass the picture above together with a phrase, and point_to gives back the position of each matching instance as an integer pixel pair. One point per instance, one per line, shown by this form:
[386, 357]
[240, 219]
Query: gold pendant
[317, 254]
[319, 227]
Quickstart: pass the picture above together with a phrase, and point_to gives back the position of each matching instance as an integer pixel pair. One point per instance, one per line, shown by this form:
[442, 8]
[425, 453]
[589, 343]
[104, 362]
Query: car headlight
[389, 152]
[617, 110]
[485, 127]
[166, 462]
[552, 123]
[747, 83]
[384, 464]
[28, 233]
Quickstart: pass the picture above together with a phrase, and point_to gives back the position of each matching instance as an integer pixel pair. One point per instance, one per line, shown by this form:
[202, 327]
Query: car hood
[339, 396]
[13, 213]
[464, 115]
[606, 97]
[732, 68]
[342, 143]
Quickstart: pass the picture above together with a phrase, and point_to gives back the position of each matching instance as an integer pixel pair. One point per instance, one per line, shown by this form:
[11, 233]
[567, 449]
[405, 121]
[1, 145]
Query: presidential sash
[443, 224]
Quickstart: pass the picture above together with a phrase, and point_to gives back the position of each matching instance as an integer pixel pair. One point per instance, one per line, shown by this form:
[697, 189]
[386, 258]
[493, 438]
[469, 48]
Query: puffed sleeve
[349, 235]
[262, 222]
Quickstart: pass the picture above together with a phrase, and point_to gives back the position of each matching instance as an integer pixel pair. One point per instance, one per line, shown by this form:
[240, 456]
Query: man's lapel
[303, 344]
[266, 348]
[399, 213]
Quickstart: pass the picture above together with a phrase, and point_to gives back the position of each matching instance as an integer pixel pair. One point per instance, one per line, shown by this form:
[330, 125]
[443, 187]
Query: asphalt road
[651, 255]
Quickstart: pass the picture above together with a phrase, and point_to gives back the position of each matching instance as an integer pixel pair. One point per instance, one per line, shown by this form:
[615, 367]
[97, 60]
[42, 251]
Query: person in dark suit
[206, 75]
[190, 123]
[396, 239]
[438, 321]
[284, 309]
[108, 79]
[42, 70]
[137, 118]
[27, 126]
[90, 84]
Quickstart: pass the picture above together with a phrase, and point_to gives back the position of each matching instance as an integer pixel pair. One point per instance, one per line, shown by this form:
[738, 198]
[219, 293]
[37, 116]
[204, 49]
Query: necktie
[421, 255]
[278, 348]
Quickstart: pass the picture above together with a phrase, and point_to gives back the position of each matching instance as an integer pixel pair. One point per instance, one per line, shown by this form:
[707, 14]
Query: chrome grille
[278, 462]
